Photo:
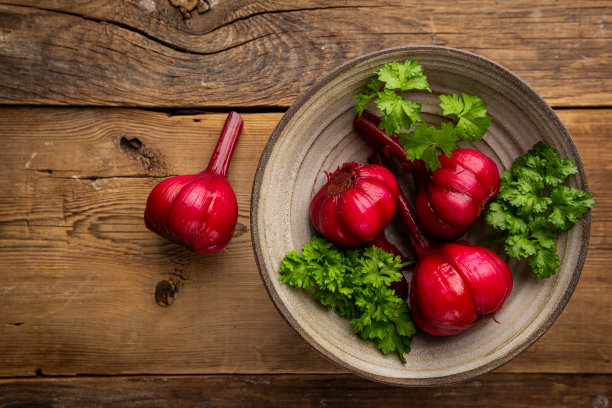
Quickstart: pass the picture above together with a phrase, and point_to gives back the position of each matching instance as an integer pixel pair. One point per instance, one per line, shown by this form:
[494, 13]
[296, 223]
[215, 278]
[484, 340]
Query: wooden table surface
[103, 99]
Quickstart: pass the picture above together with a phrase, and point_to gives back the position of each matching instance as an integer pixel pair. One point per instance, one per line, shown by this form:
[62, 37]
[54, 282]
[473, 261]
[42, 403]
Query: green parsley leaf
[533, 206]
[502, 217]
[370, 92]
[399, 113]
[386, 89]
[568, 206]
[403, 75]
[294, 271]
[545, 263]
[526, 179]
[520, 246]
[340, 302]
[526, 201]
[403, 321]
[379, 268]
[545, 160]
[446, 137]
[418, 142]
[355, 284]
[330, 271]
[472, 113]
[542, 233]
[385, 319]
[424, 141]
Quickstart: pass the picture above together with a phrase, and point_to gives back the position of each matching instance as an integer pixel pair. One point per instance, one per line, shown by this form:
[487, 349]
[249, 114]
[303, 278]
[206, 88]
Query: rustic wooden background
[103, 99]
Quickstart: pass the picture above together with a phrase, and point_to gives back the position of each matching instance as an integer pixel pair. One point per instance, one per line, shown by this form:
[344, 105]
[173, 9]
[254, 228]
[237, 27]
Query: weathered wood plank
[294, 391]
[79, 269]
[264, 53]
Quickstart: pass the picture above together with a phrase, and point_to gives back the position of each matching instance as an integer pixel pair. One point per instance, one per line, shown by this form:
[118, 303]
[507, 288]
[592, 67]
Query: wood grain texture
[80, 270]
[265, 53]
[295, 391]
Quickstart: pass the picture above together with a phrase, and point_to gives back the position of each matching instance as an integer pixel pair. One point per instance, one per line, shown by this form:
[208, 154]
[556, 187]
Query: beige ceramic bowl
[316, 135]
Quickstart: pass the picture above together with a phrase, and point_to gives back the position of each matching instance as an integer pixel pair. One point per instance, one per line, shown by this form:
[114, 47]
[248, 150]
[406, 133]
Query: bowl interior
[316, 135]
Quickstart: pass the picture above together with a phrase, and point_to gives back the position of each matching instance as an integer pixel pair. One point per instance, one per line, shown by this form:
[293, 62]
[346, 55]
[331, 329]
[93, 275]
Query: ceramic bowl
[316, 135]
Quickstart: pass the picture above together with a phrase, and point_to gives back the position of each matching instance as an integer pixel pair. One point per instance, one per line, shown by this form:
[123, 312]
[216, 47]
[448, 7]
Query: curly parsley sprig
[355, 284]
[533, 207]
[468, 114]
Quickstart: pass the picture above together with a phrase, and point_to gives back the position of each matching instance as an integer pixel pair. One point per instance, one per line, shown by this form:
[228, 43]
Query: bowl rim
[532, 95]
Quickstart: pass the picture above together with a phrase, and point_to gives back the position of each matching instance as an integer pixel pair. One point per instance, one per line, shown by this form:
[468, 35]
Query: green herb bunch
[355, 284]
[533, 206]
[468, 114]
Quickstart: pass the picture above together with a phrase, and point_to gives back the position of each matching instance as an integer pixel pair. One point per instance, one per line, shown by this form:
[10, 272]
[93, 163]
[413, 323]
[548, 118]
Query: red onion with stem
[454, 284]
[199, 211]
[449, 199]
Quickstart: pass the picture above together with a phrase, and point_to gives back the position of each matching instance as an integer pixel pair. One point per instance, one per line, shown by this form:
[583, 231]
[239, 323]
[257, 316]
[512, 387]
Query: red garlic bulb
[199, 211]
[355, 205]
[451, 198]
[454, 284]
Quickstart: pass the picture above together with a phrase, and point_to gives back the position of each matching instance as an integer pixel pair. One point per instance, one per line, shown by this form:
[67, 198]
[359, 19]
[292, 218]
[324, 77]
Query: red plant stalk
[367, 126]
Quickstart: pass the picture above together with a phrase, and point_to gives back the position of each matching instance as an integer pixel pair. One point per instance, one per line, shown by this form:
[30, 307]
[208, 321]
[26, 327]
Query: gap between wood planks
[339, 390]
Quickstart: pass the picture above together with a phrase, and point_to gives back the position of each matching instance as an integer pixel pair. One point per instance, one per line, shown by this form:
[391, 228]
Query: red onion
[454, 284]
[355, 205]
[199, 211]
[449, 199]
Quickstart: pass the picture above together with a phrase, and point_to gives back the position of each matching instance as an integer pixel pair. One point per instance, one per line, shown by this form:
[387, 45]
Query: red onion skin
[441, 304]
[199, 211]
[454, 284]
[449, 199]
[355, 205]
